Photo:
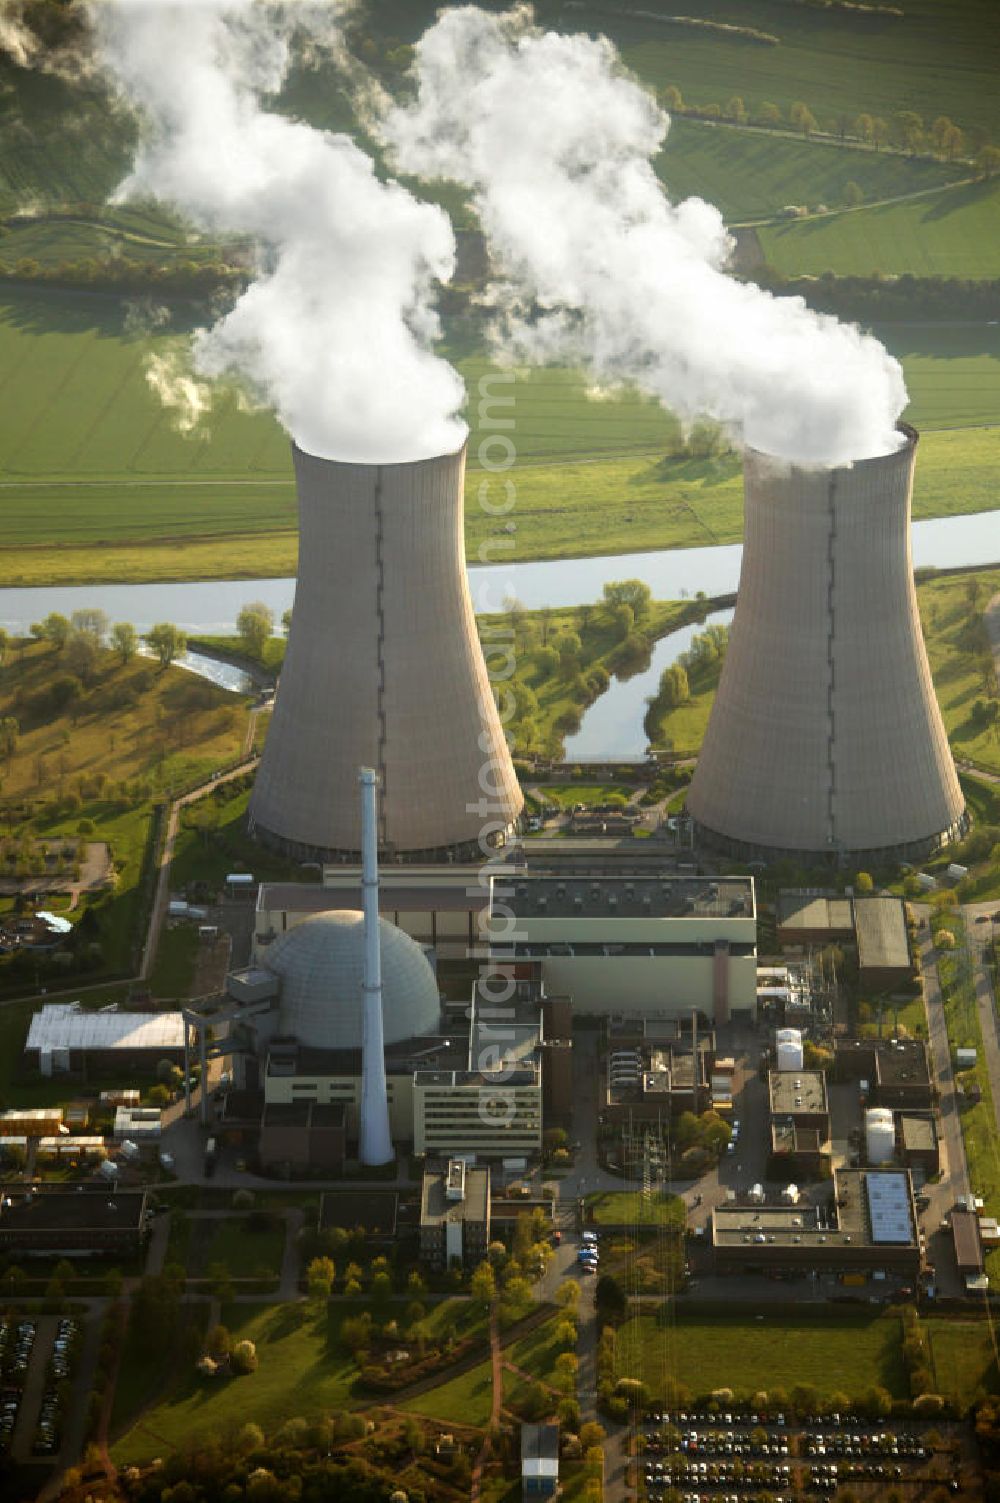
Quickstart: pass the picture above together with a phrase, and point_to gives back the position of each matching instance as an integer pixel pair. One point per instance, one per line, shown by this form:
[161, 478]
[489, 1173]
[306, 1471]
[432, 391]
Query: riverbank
[605, 506]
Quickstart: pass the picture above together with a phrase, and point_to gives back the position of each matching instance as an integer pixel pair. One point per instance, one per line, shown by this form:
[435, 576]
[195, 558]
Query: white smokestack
[374, 1140]
[599, 268]
[337, 330]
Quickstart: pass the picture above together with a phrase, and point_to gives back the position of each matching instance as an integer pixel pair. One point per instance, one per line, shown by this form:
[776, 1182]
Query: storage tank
[789, 1048]
[825, 738]
[880, 1135]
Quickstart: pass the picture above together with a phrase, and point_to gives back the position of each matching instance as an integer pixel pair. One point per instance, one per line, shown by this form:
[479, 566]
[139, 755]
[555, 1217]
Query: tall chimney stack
[374, 1140]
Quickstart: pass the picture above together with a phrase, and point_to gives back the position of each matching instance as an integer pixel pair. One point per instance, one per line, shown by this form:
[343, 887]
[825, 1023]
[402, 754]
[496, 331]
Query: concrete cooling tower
[383, 669]
[825, 739]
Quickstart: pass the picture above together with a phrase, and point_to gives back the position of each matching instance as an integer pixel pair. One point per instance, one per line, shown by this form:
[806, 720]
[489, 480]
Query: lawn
[464, 1400]
[98, 484]
[951, 613]
[844, 1354]
[952, 232]
[751, 175]
[629, 1207]
[246, 1250]
[963, 1356]
[172, 974]
[303, 1370]
[566, 795]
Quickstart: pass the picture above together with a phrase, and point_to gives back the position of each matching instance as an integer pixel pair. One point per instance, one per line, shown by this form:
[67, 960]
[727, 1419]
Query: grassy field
[90, 461]
[963, 1356]
[951, 613]
[303, 1369]
[246, 1250]
[781, 1350]
[954, 232]
[466, 1399]
[628, 1207]
[751, 175]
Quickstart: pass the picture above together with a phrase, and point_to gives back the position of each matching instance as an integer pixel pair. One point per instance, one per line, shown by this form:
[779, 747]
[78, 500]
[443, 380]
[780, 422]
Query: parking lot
[738, 1454]
[37, 1359]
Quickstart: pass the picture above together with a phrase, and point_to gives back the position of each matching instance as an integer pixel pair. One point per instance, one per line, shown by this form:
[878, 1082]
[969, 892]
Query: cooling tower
[383, 669]
[825, 739]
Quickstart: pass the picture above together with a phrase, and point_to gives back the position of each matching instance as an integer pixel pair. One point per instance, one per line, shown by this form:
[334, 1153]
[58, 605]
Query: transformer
[825, 741]
[383, 669]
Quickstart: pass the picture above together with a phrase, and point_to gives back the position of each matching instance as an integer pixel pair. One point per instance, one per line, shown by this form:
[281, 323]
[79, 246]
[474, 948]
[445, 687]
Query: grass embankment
[952, 232]
[978, 1119]
[98, 484]
[751, 175]
[304, 1369]
[951, 611]
[630, 1208]
[844, 1354]
[92, 761]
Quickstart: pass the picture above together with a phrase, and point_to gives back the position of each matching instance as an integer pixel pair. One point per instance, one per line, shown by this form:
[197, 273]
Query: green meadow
[952, 232]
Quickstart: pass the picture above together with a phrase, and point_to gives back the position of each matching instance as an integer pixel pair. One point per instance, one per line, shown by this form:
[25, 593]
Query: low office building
[810, 918]
[375, 1212]
[870, 1227]
[890, 1072]
[919, 1143]
[799, 1096]
[64, 1037]
[454, 1215]
[539, 1461]
[66, 1221]
[968, 1247]
[655, 1070]
[620, 942]
[302, 1136]
[884, 959]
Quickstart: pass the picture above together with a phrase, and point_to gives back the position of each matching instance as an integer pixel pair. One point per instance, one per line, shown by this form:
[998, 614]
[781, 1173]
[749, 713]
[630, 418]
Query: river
[211, 606]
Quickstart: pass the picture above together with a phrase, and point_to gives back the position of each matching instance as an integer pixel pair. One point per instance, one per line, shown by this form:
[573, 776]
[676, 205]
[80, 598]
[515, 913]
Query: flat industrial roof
[918, 1132]
[436, 1208]
[814, 910]
[65, 1025]
[75, 1209]
[846, 1223]
[880, 924]
[889, 1217]
[540, 1451]
[626, 895]
[313, 897]
[794, 1092]
[965, 1231]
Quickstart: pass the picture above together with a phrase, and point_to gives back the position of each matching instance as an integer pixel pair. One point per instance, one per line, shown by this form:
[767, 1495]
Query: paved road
[980, 936]
[953, 1163]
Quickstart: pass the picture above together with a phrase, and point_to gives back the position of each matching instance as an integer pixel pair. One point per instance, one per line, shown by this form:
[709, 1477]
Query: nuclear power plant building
[383, 669]
[825, 739]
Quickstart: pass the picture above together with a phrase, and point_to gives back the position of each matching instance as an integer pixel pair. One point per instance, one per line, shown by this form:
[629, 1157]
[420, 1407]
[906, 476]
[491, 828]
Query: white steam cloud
[337, 330]
[555, 141]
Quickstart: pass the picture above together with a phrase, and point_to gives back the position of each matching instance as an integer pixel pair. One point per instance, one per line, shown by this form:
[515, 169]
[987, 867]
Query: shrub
[243, 1358]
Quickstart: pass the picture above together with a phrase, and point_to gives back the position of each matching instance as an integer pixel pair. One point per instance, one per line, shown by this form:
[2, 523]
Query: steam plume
[600, 268]
[336, 331]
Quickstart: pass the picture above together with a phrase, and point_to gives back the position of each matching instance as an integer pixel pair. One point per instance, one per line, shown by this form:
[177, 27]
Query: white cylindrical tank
[880, 1135]
[789, 1048]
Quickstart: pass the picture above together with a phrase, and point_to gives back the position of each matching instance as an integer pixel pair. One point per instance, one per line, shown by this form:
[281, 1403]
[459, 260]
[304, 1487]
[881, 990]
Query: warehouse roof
[881, 931]
[64, 1025]
[814, 910]
[313, 897]
[72, 1207]
[626, 895]
[968, 1249]
[794, 1092]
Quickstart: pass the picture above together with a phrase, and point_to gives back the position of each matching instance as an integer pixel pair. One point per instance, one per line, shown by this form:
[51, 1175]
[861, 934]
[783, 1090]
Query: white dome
[321, 964]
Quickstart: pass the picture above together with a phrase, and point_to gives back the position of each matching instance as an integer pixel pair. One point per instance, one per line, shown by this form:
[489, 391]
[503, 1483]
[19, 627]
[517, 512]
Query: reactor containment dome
[825, 740]
[321, 966]
[383, 669]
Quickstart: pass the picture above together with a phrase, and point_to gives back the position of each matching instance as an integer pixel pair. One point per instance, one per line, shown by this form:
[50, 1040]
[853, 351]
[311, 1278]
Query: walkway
[979, 938]
[496, 1364]
[954, 1166]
